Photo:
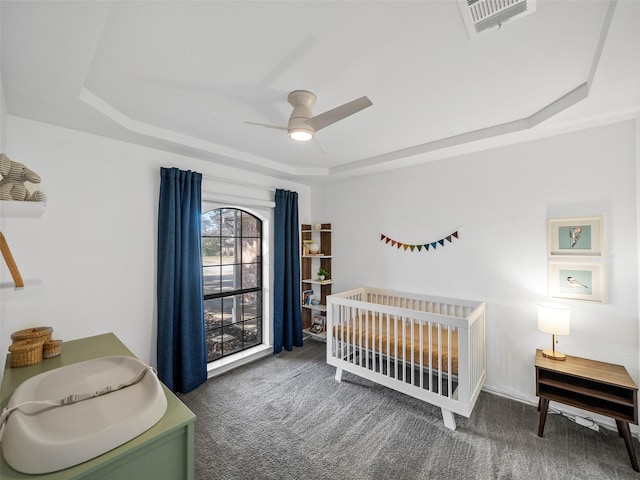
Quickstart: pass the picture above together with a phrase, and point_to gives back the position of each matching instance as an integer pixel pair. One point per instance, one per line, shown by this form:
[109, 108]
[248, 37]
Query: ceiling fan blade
[267, 126]
[289, 60]
[335, 115]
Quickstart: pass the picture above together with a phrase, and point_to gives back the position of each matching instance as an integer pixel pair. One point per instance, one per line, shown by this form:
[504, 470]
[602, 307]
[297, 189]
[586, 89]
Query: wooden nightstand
[598, 387]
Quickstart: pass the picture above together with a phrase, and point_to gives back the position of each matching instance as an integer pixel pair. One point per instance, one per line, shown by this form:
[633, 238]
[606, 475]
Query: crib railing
[412, 343]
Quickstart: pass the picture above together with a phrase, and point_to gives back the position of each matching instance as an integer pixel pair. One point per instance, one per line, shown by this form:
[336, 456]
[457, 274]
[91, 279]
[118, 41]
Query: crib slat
[395, 347]
[359, 333]
[421, 340]
[411, 358]
[382, 320]
[430, 330]
[388, 348]
[366, 338]
[439, 358]
[404, 353]
[449, 369]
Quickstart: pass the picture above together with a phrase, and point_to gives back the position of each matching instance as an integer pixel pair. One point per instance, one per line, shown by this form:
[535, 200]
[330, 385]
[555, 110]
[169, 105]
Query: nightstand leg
[623, 428]
[543, 406]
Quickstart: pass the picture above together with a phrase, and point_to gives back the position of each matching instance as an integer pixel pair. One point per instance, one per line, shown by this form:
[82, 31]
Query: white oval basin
[41, 439]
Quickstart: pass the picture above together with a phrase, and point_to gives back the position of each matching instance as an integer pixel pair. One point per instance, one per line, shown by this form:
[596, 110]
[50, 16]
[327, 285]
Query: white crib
[431, 348]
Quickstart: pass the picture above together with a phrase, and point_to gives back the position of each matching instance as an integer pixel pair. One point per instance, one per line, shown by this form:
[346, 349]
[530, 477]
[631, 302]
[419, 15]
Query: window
[232, 279]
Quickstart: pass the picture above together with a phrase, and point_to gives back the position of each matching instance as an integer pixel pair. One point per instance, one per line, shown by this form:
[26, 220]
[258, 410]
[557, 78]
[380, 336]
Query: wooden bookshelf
[309, 265]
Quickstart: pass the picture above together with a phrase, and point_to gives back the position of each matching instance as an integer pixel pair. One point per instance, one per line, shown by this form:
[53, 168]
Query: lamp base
[554, 355]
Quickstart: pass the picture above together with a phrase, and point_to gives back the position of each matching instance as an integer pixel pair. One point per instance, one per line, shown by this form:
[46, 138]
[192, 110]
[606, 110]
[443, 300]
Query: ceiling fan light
[300, 135]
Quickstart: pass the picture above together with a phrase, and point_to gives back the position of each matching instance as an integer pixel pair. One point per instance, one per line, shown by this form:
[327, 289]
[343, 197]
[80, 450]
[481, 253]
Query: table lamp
[554, 319]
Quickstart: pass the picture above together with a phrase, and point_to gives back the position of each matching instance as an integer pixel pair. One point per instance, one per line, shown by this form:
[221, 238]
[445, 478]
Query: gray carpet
[285, 417]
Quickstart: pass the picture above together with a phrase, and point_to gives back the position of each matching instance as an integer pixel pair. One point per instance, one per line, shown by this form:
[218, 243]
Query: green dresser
[165, 451]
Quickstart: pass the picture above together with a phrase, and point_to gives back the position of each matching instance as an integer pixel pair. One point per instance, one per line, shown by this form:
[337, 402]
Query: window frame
[263, 288]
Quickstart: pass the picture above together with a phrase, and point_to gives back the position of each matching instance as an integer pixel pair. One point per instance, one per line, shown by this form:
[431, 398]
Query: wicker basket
[51, 348]
[26, 352]
[38, 333]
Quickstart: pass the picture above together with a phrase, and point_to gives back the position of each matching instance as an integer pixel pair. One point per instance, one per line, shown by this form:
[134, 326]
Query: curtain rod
[235, 182]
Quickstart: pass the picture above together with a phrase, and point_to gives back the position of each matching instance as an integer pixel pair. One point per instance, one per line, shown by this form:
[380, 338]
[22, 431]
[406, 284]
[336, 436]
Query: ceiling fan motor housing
[301, 101]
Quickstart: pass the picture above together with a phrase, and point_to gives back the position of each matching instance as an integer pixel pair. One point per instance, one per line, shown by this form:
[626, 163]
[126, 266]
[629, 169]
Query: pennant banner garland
[425, 246]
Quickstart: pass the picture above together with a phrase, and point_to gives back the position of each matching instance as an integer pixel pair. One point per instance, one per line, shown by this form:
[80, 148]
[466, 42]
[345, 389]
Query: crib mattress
[375, 335]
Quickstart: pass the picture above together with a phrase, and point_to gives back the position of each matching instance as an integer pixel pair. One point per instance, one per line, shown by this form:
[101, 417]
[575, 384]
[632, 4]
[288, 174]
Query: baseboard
[599, 420]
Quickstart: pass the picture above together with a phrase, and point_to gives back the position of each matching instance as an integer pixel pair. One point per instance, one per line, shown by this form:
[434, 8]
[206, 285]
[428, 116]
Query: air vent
[480, 15]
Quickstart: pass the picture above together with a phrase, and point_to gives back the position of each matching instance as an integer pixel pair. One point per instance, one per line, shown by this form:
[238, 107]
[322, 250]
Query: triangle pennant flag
[433, 245]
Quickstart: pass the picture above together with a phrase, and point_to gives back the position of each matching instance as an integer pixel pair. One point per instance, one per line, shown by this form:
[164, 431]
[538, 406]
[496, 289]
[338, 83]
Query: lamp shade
[554, 318]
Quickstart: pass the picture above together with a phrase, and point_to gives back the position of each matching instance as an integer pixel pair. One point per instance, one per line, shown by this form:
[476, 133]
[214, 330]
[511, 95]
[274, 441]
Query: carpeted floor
[285, 417]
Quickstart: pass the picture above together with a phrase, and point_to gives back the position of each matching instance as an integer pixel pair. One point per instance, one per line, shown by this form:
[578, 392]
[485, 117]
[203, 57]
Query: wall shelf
[318, 282]
[319, 336]
[15, 209]
[319, 308]
[33, 287]
[304, 230]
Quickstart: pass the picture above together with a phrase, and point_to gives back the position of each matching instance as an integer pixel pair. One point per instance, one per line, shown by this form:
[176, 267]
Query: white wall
[638, 210]
[501, 200]
[94, 248]
[3, 113]
[3, 105]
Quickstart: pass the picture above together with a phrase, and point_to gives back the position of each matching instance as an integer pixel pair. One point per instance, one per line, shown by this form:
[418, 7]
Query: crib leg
[449, 419]
[339, 374]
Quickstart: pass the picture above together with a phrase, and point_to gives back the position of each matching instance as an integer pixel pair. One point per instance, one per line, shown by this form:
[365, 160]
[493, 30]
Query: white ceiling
[187, 76]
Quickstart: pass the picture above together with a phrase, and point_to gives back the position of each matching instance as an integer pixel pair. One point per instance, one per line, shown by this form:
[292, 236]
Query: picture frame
[306, 297]
[577, 281]
[575, 237]
[318, 324]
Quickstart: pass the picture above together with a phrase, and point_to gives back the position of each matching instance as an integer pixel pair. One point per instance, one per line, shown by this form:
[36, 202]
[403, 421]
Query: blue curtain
[182, 356]
[287, 316]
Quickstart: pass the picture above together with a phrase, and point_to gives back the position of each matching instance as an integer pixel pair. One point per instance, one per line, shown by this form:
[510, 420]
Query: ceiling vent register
[480, 15]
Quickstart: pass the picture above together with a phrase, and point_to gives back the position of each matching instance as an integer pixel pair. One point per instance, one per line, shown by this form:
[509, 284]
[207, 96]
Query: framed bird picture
[576, 281]
[574, 237]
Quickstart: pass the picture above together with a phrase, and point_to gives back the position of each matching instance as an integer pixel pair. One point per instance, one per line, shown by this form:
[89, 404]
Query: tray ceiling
[187, 76]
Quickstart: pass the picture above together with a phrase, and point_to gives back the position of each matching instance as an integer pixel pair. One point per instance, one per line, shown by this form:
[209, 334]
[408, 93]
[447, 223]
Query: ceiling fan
[303, 125]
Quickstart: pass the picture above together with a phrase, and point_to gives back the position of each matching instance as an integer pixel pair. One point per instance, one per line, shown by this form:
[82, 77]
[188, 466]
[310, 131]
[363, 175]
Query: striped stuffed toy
[12, 186]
